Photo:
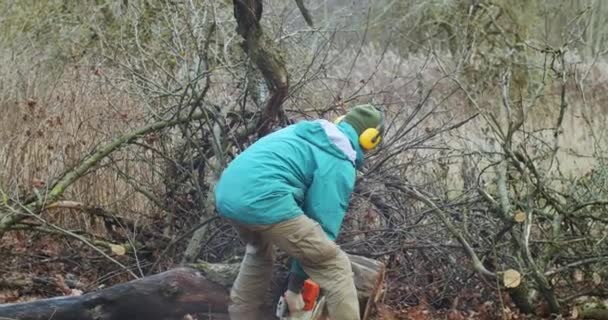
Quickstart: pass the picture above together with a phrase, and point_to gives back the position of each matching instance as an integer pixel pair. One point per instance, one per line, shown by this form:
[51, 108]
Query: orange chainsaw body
[310, 293]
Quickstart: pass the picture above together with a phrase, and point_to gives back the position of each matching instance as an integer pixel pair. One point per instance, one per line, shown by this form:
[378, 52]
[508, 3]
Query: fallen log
[169, 295]
[368, 273]
[201, 290]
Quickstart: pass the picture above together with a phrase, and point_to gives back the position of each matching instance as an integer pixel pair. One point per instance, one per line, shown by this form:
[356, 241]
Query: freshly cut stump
[369, 280]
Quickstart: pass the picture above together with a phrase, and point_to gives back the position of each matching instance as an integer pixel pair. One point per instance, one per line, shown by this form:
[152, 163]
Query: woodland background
[117, 117]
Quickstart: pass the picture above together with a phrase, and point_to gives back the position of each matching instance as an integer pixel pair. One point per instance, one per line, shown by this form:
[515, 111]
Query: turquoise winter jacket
[306, 168]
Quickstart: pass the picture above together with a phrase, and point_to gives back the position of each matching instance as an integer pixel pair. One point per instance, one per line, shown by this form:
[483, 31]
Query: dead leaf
[578, 275]
[511, 278]
[60, 282]
[417, 313]
[455, 315]
[542, 309]
[31, 103]
[597, 279]
[7, 296]
[151, 138]
[75, 292]
[486, 311]
[384, 312]
[118, 249]
[37, 183]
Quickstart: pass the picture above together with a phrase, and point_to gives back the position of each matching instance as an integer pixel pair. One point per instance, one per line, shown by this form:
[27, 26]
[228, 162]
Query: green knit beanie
[363, 117]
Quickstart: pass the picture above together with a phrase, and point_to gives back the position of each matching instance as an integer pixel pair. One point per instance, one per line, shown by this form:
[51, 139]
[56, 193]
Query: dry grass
[51, 121]
[400, 83]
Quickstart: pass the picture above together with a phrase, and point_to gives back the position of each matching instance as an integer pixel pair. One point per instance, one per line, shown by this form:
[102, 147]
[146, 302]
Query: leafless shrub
[493, 160]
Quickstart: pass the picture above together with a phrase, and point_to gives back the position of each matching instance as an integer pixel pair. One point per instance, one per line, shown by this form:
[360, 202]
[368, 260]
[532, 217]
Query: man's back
[269, 181]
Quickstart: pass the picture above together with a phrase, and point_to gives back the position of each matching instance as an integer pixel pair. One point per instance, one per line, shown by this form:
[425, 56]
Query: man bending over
[291, 189]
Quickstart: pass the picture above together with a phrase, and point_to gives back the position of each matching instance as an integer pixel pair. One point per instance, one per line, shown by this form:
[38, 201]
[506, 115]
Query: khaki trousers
[301, 238]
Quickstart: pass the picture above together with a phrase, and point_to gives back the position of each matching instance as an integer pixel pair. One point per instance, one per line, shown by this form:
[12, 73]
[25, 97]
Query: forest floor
[38, 268]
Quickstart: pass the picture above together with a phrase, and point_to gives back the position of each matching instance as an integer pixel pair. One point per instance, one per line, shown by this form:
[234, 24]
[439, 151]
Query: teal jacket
[306, 168]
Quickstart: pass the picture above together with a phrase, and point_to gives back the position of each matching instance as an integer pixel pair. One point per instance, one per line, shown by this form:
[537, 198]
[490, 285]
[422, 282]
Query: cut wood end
[511, 278]
[118, 249]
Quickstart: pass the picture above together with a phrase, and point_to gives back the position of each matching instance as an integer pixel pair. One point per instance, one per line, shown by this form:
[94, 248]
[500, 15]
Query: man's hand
[295, 302]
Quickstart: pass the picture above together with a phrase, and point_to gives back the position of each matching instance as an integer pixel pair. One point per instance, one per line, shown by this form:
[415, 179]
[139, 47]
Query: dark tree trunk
[266, 56]
[201, 291]
[169, 295]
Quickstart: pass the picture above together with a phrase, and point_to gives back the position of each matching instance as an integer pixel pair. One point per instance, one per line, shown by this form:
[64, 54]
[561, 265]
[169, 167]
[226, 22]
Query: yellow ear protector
[371, 137]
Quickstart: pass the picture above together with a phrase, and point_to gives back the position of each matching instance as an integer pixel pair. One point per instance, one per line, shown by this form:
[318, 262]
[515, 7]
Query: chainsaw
[314, 303]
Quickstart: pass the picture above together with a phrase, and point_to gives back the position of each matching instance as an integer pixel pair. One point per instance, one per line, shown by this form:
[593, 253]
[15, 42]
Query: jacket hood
[339, 140]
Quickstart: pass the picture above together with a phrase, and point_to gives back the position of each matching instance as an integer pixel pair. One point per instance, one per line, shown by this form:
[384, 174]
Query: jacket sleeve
[327, 200]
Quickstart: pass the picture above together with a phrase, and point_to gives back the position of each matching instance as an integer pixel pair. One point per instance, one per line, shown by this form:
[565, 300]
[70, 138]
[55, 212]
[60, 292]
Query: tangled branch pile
[488, 196]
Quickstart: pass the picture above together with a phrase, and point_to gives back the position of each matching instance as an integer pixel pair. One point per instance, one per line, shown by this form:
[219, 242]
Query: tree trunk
[201, 291]
[169, 295]
[266, 56]
[368, 273]
[521, 298]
